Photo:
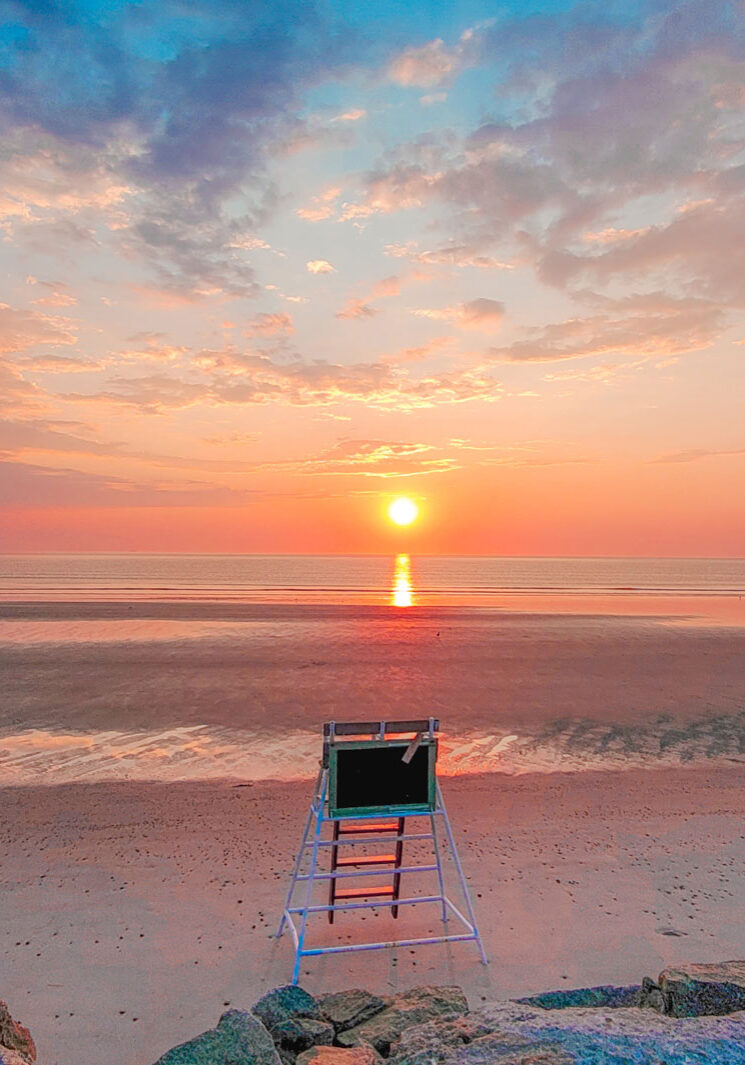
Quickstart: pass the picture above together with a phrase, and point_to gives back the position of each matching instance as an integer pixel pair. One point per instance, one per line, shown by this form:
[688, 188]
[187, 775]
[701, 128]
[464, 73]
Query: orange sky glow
[462, 261]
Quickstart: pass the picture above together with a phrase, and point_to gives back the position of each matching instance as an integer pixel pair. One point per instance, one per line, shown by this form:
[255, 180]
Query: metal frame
[319, 815]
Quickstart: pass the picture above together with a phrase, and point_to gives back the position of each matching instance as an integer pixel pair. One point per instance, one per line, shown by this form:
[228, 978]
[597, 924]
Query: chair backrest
[390, 772]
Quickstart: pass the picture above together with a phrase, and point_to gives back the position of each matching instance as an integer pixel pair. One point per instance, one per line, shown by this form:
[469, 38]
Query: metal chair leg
[398, 864]
[461, 876]
[334, 863]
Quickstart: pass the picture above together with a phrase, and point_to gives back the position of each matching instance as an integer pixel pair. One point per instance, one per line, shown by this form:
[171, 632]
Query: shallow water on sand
[169, 690]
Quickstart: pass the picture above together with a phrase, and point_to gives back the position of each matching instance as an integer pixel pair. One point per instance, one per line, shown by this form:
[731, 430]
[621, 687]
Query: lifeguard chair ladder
[361, 829]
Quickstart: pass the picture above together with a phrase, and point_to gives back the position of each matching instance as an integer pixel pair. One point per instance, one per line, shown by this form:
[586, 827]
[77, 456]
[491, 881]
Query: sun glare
[403, 511]
[402, 587]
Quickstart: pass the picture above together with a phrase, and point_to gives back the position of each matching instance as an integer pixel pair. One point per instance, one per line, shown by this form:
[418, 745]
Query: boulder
[299, 1033]
[498, 1048]
[410, 1008]
[285, 1003]
[698, 990]
[239, 1039]
[323, 1055]
[608, 996]
[347, 1009]
[652, 997]
[11, 1057]
[440, 1041]
[591, 1036]
[14, 1037]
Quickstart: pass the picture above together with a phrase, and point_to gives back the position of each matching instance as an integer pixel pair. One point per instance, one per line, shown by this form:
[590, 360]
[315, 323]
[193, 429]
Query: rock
[364, 1054]
[608, 996]
[284, 1003]
[436, 1039]
[652, 997]
[239, 1039]
[11, 1057]
[14, 1037]
[410, 1008]
[346, 1009]
[704, 990]
[629, 1036]
[300, 1033]
[498, 1048]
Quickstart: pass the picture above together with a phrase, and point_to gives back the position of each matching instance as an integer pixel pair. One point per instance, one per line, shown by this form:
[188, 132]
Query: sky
[267, 266]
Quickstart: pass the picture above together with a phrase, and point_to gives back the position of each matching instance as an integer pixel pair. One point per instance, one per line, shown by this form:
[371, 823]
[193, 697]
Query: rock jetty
[691, 1015]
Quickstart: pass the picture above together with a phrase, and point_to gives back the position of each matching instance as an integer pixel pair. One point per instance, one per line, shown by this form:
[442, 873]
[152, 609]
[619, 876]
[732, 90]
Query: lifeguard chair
[374, 776]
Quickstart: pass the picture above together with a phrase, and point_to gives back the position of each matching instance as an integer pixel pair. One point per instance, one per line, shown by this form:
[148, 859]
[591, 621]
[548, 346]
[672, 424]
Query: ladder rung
[389, 826]
[415, 900]
[361, 893]
[368, 859]
[375, 839]
[357, 873]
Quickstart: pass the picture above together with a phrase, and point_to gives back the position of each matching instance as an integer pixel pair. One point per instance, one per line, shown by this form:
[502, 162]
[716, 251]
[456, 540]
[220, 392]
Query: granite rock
[611, 1036]
[698, 990]
[284, 1003]
[652, 997]
[363, 1054]
[239, 1039]
[299, 1033]
[607, 996]
[11, 1057]
[347, 1009]
[13, 1036]
[499, 1048]
[410, 1008]
[468, 1041]
[435, 1040]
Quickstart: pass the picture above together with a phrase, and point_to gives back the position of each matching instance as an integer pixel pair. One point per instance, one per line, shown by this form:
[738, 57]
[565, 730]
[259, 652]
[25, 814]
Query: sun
[403, 511]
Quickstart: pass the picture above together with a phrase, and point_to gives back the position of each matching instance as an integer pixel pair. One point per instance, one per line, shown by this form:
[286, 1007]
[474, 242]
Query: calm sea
[176, 667]
[338, 578]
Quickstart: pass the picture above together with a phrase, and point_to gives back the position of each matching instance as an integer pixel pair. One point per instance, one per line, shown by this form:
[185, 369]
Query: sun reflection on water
[402, 593]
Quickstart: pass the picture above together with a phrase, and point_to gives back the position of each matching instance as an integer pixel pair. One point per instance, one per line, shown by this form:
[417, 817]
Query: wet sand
[132, 913]
[170, 691]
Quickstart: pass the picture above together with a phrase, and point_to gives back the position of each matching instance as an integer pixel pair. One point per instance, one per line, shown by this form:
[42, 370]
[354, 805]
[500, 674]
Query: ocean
[184, 667]
[351, 578]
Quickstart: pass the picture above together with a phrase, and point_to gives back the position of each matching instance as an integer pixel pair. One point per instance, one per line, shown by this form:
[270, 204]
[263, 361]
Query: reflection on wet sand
[402, 593]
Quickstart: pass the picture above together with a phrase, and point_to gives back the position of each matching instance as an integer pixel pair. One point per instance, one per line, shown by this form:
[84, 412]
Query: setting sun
[403, 511]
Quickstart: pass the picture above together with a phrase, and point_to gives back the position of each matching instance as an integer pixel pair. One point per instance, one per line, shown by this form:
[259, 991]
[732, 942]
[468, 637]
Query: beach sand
[164, 691]
[134, 913]
[139, 899]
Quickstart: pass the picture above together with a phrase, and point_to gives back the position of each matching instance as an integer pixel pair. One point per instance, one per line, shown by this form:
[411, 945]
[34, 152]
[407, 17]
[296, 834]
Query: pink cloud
[21, 329]
[432, 64]
[232, 377]
[354, 114]
[359, 307]
[641, 326]
[321, 206]
[275, 324]
[356, 309]
[457, 255]
[482, 314]
[320, 266]
[373, 458]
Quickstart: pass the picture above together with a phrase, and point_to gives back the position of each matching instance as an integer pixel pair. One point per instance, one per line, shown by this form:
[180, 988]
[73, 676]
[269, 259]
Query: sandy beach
[157, 757]
[133, 913]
